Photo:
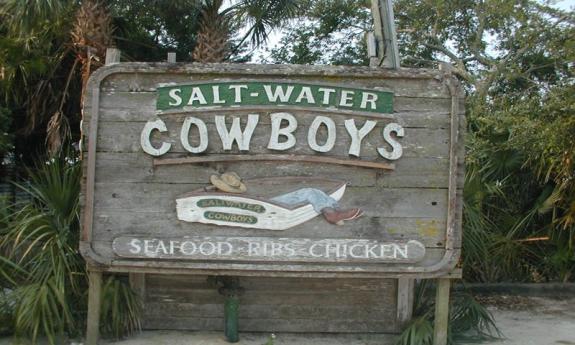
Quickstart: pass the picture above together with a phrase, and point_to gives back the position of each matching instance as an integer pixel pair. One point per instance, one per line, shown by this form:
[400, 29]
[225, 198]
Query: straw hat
[228, 182]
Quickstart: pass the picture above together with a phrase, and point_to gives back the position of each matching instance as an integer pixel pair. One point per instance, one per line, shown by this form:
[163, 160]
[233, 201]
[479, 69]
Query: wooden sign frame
[453, 217]
[443, 268]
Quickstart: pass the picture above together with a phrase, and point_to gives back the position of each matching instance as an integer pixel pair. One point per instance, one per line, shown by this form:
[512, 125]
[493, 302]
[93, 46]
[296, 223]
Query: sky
[565, 4]
[275, 36]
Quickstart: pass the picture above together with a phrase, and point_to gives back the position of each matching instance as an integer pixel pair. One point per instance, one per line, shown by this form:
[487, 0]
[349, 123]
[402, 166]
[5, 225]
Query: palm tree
[59, 35]
[259, 16]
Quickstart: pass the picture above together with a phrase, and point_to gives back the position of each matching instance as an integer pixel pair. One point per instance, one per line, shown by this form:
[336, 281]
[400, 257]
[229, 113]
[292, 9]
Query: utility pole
[382, 44]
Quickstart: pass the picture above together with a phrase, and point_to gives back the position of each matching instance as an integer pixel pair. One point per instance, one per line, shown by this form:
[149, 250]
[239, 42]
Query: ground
[523, 321]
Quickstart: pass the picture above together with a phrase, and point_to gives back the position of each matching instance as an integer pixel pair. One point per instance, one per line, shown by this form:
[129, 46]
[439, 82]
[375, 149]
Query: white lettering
[357, 136]
[238, 92]
[305, 93]
[216, 93]
[185, 133]
[277, 119]
[145, 142]
[346, 98]
[253, 248]
[278, 93]
[175, 95]
[401, 251]
[368, 97]
[311, 251]
[326, 94]
[312, 134]
[396, 148]
[224, 248]
[135, 243]
[190, 244]
[197, 96]
[351, 249]
[210, 251]
[161, 248]
[235, 133]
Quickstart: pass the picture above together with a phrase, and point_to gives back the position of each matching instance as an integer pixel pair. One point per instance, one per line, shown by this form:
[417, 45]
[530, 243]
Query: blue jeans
[317, 198]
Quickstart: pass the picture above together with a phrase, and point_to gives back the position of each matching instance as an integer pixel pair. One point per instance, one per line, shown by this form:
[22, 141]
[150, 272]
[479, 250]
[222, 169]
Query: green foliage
[42, 239]
[330, 32]
[148, 30]
[41, 265]
[121, 309]
[468, 320]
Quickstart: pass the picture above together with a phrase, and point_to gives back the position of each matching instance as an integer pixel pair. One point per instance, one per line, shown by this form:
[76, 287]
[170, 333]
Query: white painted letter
[305, 93]
[326, 94]
[197, 96]
[216, 93]
[278, 93]
[238, 91]
[368, 97]
[346, 97]
[175, 95]
[397, 150]
[135, 243]
[185, 134]
[312, 134]
[274, 143]
[235, 133]
[145, 138]
[357, 136]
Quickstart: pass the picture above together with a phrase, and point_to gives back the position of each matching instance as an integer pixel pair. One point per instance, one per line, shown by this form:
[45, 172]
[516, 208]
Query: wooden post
[112, 56]
[385, 36]
[441, 311]
[94, 303]
[405, 292]
[172, 57]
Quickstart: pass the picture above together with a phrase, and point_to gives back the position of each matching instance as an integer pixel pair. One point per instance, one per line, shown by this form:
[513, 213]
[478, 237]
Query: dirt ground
[522, 320]
[533, 320]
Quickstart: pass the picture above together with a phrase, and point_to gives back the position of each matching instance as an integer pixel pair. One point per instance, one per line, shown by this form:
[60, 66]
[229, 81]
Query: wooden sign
[272, 170]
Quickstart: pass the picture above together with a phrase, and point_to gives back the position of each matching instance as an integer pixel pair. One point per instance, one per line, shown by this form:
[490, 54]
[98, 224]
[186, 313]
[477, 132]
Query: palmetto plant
[42, 267]
[42, 239]
[467, 318]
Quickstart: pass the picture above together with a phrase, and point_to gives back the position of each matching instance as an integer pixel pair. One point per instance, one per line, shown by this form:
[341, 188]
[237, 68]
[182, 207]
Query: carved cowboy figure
[230, 182]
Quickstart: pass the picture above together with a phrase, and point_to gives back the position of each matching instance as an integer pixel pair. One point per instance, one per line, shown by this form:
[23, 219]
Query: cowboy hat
[228, 182]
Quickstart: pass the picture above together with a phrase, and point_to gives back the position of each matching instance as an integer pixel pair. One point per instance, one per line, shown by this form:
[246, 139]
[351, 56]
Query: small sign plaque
[269, 249]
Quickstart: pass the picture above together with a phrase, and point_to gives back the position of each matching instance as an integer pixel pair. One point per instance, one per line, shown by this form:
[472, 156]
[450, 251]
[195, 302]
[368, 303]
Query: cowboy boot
[338, 216]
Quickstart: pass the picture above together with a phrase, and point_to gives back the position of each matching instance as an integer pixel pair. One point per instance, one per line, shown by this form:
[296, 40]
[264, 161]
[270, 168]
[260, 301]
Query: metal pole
[231, 290]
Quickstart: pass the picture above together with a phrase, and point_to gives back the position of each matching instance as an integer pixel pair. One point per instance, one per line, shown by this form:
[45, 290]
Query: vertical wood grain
[441, 311]
[94, 303]
[404, 300]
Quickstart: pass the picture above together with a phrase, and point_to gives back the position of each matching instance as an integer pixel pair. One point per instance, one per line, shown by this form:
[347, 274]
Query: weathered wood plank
[429, 231]
[441, 312]
[400, 202]
[94, 302]
[104, 249]
[124, 82]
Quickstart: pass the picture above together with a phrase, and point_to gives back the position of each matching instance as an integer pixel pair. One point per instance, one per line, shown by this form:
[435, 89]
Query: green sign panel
[233, 204]
[230, 217]
[234, 94]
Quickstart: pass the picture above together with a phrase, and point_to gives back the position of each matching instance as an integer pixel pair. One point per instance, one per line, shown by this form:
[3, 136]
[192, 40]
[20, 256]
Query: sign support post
[441, 311]
[94, 303]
